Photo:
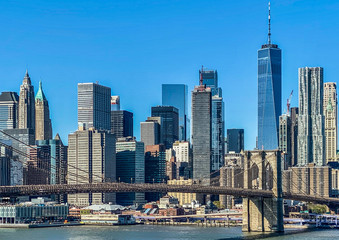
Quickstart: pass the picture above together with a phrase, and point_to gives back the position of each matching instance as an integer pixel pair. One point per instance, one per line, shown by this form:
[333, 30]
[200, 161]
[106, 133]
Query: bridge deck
[23, 190]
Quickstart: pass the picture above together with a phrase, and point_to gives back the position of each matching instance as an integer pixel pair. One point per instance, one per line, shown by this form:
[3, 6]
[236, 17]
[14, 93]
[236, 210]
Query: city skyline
[225, 56]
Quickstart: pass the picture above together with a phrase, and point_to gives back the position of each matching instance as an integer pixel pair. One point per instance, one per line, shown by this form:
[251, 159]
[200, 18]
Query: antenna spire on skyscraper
[269, 22]
[201, 81]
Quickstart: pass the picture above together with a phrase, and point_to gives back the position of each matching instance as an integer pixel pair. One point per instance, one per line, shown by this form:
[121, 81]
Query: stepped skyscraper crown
[26, 104]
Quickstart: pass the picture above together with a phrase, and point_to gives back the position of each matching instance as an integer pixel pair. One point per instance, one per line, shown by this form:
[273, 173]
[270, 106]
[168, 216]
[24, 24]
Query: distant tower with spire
[43, 125]
[269, 92]
[26, 104]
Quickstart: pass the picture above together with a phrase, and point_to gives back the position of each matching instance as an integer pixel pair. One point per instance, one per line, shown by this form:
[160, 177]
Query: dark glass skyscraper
[210, 80]
[202, 133]
[176, 95]
[170, 124]
[269, 94]
[235, 140]
[122, 123]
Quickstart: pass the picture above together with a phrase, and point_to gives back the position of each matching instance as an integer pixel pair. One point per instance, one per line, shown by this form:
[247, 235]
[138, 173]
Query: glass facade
[170, 124]
[130, 167]
[122, 123]
[9, 110]
[201, 133]
[235, 140]
[176, 95]
[210, 79]
[269, 96]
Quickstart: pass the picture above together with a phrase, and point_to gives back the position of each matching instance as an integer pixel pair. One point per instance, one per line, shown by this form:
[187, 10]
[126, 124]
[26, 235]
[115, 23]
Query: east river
[147, 232]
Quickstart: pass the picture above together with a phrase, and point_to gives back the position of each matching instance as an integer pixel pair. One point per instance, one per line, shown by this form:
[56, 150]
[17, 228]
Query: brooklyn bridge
[263, 191]
[40, 190]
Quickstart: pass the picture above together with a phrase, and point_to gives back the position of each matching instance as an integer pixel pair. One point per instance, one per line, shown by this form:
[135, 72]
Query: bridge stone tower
[263, 171]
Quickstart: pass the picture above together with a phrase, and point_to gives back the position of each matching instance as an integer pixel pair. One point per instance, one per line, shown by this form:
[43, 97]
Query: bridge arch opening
[268, 177]
[253, 180]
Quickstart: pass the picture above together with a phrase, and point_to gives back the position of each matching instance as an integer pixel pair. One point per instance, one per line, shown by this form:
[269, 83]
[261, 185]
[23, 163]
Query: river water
[150, 232]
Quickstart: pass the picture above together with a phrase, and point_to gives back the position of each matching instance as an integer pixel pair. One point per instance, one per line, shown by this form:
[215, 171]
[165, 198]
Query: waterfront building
[26, 104]
[155, 168]
[43, 124]
[176, 95]
[235, 140]
[185, 198]
[94, 106]
[269, 93]
[9, 104]
[150, 131]
[130, 168]
[202, 132]
[210, 80]
[19, 139]
[294, 135]
[331, 120]
[285, 139]
[311, 132]
[170, 124]
[122, 123]
[92, 154]
[115, 103]
[14, 214]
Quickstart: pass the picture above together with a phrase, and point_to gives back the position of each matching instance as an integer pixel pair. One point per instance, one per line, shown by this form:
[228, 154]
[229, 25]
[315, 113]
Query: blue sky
[135, 46]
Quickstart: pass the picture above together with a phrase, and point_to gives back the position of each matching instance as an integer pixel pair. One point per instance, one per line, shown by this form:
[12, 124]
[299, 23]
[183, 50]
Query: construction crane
[289, 103]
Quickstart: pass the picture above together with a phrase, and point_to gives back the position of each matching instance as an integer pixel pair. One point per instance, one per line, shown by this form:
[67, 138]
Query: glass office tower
[210, 80]
[176, 95]
[269, 96]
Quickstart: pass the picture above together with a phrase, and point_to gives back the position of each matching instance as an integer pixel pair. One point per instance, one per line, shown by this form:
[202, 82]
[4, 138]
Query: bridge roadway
[34, 190]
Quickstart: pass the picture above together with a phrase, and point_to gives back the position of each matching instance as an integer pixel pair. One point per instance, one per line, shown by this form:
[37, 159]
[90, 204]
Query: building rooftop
[105, 207]
[9, 97]
[40, 94]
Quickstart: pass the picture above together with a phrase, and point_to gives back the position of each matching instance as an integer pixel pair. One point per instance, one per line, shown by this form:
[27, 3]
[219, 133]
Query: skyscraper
[311, 132]
[20, 139]
[202, 132]
[27, 104]
[43, 124]
[5, 166]
[235, 140]
[130, 168]
[150, 131]
[285, 139]
[331, 120]
[269, 93]
[122, 123]
[8, 110]
[155, 168]
[176, 95]
[294, 135]
[92, 155]
[170, 124]
[94, 108]
[210, 80]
